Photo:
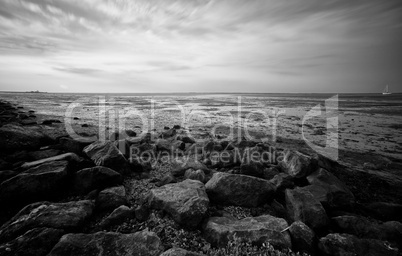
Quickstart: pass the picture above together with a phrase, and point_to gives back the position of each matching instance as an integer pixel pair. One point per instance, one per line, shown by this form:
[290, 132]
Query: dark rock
[187, 139]
[51, 121]
[168, 134]
[109, 243]
[84, 125]
[187, 202]
[4, 165]
[302, 206]
[41, 182]
[131, 133]
[270, 172]
[180, 166]
[140, 165]
[334, 193]
[167, 179]
[255, 169]
[76, 118]
[111, 198]
[282, 181]
[263, 229]
[195, 175]
[36, 242]
[303, 238]
[166, 128]
[75, 145]
[177, 127]
[142, 212]
[71, 157]
[118, 216]
[7, 174]
[241, 190]
[180, 252]
[362, 227]
[349, 245]
[42, 154]
[68, 216]
[16, 137]
[106, 154]
[297, 164]
[386, 211]
[98, 177]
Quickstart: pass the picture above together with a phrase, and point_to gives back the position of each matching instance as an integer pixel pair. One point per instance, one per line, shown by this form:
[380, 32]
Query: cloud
[64, 87]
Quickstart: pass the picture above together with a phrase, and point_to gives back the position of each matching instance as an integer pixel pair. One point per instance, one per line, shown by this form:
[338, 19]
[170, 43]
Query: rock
[42, 182]
[180, 252]
[240, 190]
[362, 227]
[303, 238]
[282, 181]
[42, 154]
[186, 201]
[35, 242]
[176, 126]
[109, 243]
[297, 164]
[255, 169]
[164, 145]
[262, 229]
[84, 125]
[68, 216]
[122, 135]
[167, 179]
[51, 121]
[142, 212]
[180, 166]
[270, 173]
[195, 175]
[66, 156]
[168, 134]
[111, 198]
[187, 139]
[118, 216]
[106, 154]
[386, 211]
[349, 245]
[7, 174]
[140, 165]
[15, 137]
[75, 145]
[302, 206]
[98, 177]
[334, 193]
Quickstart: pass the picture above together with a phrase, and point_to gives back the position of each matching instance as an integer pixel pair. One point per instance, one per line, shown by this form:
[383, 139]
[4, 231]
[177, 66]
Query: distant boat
[386, 91]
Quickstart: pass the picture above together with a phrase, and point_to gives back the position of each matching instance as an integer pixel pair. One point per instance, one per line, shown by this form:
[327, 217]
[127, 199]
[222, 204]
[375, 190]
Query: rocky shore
[168, 193]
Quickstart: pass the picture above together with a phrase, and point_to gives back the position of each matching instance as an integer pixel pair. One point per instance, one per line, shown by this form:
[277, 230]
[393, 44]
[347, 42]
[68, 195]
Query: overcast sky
[200, 45]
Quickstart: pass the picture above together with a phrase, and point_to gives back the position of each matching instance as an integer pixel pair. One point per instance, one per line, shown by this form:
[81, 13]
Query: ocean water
[362, 122]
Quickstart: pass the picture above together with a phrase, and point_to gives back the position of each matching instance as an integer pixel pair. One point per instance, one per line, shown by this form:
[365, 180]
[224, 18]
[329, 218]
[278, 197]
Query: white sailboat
[386, 91]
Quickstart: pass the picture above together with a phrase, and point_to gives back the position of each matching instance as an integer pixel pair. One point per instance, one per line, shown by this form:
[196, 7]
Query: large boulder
[42, 154]
[68, 216]
[15, 137]
[329, 190]
[349, 245]
[119, 215]
[42, 182]
[303, 206]
[105, 153]
[241, 190]
[298, 164]
[35, 242]
[385, 211]
[362, 227]
[66, 157]
[111, 198]
[109, 243]
[257, 230]
[255, 169]
[75, 145]
[98, 177]
[303, 238]
[195, 175]
[186, 201]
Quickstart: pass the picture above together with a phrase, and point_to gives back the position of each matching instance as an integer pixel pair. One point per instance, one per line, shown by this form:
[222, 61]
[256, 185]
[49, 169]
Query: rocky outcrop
[297, 164]
[15, 137]
[302, 206]
[186, 201]
[109, 243]
[241, 190]
[349, 245]
[257, 230]
[67, 216]
[35, 242]
[329, 190]
[42, 182]
[106, 154]
[98, 177]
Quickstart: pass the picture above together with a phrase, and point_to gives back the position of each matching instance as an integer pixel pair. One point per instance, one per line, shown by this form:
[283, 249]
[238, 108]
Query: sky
[158, 46]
